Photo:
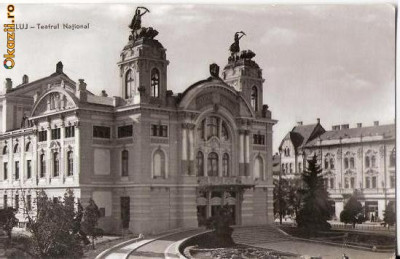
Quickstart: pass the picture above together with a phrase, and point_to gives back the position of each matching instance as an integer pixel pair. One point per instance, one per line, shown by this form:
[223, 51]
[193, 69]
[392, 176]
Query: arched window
[5, 150]
[254, 98]
[326, 163]
[159, 164]
[56, 164]
[258, 171]
[70, 163]
[124, 162]
[332, 162]
[392, 161]
[212, 163]
[225, 134]
[352, 162]
[200, 163]
[27, 147]
[155, 83]
[129, 84]
[346, 163]
[212, 126]
[367, 164]
[16, 148]
[42, 165]
[225, 165]
[373, 161]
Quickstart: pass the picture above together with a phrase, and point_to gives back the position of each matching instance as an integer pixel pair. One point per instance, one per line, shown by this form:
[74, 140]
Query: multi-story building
[152, 160]
[358, 159]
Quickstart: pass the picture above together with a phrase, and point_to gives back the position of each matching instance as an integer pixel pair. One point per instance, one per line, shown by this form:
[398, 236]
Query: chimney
[318, 120]
[8, 84]
[25, 79]
[336, 127]
[376, 123]
[345, 126]
[81, 91]
[299, 123]
[359, 125]
[59, 67]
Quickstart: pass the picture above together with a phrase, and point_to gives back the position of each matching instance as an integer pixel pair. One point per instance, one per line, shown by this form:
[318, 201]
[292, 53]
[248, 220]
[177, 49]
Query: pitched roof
[300, 134]
[387, 131]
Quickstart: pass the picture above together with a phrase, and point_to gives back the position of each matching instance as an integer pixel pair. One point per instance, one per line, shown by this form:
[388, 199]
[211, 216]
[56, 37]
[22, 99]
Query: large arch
[40, 107]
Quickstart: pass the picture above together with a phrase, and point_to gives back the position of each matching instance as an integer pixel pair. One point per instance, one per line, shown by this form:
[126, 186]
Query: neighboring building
[292, 145]
[362, 159]
[151, 160]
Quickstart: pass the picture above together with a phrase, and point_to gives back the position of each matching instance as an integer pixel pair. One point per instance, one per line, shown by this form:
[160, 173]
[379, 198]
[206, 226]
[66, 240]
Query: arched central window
[124, 162]
[212, 126]
[56, 164]
[129, 84]
[370, 159]
[159, 164]
[212, 163]
[155, 83]
[200, 163]
[225, 165]
[254, 98]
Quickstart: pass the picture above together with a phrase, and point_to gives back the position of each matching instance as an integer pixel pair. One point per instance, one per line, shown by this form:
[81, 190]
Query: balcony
[243, 181]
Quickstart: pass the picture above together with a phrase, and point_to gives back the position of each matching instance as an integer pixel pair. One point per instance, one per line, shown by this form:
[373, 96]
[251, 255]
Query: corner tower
[244, 74]
[143, 65]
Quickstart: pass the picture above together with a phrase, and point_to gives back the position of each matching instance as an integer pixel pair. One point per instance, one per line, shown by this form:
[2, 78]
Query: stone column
[48, 154]
[184, 161]
[22, 162]
[241, 152]
[62, 162]
[77, 151]
[247, 153]
[191, 128]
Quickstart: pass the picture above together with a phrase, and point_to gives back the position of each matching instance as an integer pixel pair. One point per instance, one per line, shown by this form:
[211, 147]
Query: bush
[352, 212]
[220, 223]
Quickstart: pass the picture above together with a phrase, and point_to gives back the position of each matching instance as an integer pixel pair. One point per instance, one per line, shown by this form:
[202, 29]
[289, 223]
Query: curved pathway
[162, 246]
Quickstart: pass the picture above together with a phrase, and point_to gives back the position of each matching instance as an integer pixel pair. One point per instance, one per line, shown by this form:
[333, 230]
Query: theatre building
[152, 160]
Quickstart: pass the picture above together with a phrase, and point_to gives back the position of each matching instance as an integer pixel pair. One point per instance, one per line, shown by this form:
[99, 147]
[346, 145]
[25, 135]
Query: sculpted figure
[235, 48]
[137, 18]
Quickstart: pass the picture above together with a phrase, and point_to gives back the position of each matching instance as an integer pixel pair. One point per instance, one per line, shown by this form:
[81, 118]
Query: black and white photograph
[198, 130]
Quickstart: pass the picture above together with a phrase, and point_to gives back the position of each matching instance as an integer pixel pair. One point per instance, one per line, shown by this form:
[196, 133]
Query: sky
[333, 62]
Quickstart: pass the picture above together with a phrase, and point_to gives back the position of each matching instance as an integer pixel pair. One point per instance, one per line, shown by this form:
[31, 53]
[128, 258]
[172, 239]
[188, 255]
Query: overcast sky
[334, 62]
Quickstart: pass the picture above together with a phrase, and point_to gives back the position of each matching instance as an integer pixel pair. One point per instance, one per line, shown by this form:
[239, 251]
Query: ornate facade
[152, 160]
[358, 159]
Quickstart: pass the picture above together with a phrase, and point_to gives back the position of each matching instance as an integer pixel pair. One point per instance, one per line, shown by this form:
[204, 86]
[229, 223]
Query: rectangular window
[5, 170]
[258, 139]
[55, 134]
[392, 181]
[159, 131]
[42, 165]
[352, 182]
[346, 183]
[102, 212]
[101, 132]
[374, 182]
[70, 132]
[17, 202]
[332, 183]
[16, 170]
[28, 202]
[29, 169]
[367, 183]
[125, 131]
[42, 135]
[5, 201]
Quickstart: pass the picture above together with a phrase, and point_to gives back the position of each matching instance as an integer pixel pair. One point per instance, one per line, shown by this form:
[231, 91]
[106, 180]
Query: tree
[91, 216]
[315, 209]
[220, 223]
[352, 211]
[8, 220]
[389, 216]
[281, 192]
[52, 227]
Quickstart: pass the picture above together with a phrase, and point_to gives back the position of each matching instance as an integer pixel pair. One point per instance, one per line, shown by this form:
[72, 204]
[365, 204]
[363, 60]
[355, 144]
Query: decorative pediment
[52, 101]
[55, 146]
[349, 172]
[371, 172]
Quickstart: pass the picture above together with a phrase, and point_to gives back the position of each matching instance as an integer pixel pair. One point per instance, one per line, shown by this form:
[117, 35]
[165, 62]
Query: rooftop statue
[235, 48]
[136, 23]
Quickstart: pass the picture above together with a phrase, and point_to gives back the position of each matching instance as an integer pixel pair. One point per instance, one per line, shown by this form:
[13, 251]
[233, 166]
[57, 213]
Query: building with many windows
[152, 160]
[358, 159]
